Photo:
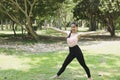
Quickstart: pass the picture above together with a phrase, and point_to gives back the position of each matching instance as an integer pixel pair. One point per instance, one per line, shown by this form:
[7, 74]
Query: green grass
[19, 65]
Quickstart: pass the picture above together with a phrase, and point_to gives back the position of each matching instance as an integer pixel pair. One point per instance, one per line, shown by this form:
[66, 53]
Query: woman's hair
[69, 34]
[73, 23]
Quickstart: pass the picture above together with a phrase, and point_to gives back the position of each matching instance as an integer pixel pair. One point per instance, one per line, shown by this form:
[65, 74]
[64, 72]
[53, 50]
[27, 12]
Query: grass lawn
[103, 62]
[19, 65]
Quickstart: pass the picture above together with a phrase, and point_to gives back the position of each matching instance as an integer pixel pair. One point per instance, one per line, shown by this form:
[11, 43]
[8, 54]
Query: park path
[100, 46]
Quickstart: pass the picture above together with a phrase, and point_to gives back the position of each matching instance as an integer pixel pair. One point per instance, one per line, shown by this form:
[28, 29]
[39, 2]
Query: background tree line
[32, 14]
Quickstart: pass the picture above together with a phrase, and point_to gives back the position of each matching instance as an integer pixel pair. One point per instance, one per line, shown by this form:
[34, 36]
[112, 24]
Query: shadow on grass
[43, 66]
[5, 38]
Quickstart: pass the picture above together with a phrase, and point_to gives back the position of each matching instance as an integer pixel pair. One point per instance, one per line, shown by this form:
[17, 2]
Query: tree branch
[25, 3]
[13, 18]
[17, 5]
[31, 7]
[28, 2]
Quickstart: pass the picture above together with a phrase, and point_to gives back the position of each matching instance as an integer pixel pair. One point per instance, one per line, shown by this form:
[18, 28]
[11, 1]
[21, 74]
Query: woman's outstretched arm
[89, 33]
[61, 31]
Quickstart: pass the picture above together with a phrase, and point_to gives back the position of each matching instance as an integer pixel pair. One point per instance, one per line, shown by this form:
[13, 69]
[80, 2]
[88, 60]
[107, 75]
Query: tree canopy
[104, 11]
[22, 12]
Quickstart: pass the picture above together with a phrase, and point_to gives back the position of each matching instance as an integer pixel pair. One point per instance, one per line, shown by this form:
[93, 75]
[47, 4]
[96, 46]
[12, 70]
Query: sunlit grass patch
[19, 65]
[13, 62]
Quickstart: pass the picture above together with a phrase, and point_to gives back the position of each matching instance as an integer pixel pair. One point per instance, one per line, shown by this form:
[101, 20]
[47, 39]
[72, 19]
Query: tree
[13, 9]
[24, 12]
[66, 14]
[104, 11]
[87, 9]
[1, 19]
[46, 9]
[109, 13]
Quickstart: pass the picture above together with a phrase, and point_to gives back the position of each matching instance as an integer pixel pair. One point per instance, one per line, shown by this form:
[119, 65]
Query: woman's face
[74, 28]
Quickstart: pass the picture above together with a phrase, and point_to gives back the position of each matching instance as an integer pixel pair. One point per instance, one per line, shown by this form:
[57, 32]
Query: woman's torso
[72, 40]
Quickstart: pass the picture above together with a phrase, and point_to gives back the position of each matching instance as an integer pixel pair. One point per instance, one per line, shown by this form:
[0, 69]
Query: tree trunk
[13, 27]
[2, 25]
[65, 21]
[6, 24]
[111, 29]
[92, 23]
[30, 30]
[111, 26]
[83, 23]
[22, 31]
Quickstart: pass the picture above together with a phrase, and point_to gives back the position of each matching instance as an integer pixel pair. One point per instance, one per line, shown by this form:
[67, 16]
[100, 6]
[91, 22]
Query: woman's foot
[90, 79]
[55, 77]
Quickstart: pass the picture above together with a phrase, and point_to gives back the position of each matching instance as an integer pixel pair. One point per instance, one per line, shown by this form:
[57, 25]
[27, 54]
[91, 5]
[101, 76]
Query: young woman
[74, 50]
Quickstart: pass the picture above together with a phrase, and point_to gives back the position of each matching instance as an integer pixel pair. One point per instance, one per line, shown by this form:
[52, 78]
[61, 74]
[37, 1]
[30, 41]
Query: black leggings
[75, 52]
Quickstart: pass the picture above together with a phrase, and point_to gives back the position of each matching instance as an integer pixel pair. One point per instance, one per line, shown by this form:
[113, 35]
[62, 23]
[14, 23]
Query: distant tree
[109, 13]
[23, 12]
[104, 11]
[17, 8]
[2, 20]
[87, 9]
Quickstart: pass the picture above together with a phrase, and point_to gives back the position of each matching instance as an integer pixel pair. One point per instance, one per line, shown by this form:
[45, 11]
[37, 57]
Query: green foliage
[45, 7]
[118, 24]
[106, 12]
[99, 8]
[85, 8]
[41, 9]
[110, 7]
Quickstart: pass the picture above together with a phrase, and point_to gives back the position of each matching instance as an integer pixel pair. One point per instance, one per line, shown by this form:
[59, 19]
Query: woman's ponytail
[69, 34]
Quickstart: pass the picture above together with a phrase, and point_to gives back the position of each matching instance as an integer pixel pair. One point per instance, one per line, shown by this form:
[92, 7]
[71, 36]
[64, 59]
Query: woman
[74, 50]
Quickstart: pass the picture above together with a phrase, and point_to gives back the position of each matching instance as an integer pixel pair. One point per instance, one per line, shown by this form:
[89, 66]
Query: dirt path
[35, 48]
[100, 46]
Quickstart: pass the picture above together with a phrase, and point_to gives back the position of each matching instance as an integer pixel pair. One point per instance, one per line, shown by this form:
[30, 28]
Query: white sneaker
[55, 77]
[90, 79]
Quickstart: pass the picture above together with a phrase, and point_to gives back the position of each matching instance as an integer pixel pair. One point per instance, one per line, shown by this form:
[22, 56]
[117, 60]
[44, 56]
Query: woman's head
[74, 27]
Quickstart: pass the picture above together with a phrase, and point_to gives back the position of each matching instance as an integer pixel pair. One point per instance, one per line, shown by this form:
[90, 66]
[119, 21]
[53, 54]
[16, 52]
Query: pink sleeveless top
[72, 40]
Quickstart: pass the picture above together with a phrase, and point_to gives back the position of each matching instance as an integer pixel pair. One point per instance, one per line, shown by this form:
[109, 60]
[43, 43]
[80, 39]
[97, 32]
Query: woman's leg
[81, 60]
[68, 59]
